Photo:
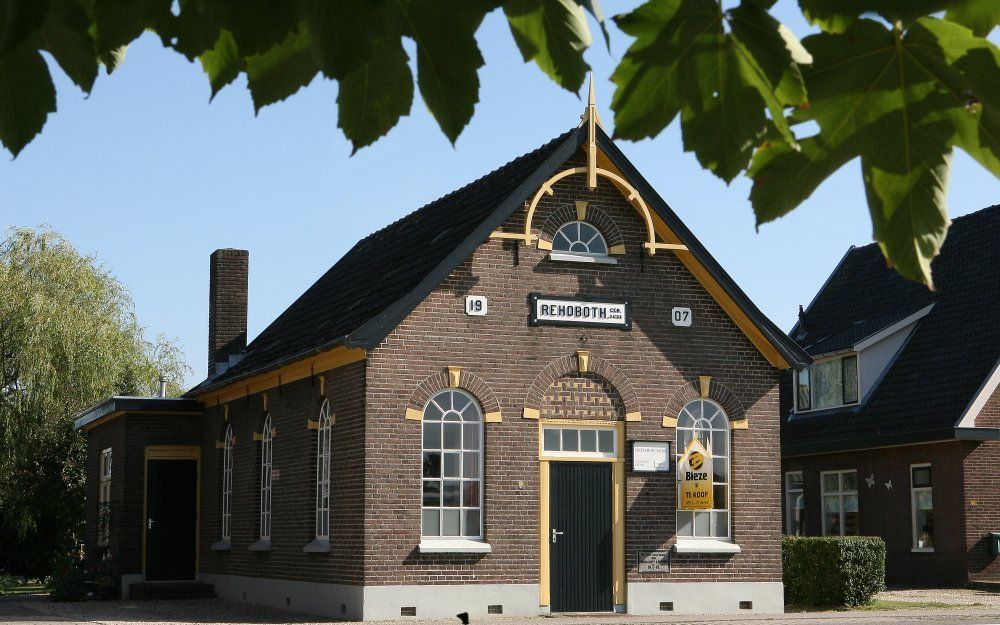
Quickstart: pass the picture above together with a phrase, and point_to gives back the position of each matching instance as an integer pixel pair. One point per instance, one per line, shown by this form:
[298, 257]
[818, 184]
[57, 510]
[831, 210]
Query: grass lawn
[28, 588]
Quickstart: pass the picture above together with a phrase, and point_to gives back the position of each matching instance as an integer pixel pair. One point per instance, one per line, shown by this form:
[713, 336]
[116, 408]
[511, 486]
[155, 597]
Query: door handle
[149, 524]
[555, 533]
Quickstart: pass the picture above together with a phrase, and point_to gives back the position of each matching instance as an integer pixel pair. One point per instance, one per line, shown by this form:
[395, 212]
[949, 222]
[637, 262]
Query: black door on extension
[171, 519]
[580, 540]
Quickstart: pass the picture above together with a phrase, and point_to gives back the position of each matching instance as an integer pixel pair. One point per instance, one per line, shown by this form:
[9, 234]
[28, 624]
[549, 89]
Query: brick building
[478, 408]
[894, 431]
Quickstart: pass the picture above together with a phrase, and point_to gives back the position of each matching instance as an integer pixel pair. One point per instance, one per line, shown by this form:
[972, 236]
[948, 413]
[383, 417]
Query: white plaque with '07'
[551, 310]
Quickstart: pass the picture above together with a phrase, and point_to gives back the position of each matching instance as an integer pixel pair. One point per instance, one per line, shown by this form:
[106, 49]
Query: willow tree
[68, 337]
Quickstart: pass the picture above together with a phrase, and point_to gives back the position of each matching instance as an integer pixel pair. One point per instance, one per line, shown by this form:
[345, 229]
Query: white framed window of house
[266, 477]
[227, 485]
[705, 420]
[323, 434]
[104, 499]
[922, 508]
[579, 442]
[451, 513]
[580, 241]
[795, 504]
[840, 503]
[828, 383]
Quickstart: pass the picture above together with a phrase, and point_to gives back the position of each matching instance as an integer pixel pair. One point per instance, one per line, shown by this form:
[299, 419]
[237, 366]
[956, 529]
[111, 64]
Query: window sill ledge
[705, 545]
[260, 545]
[581, 258]
[458, 545]
[922, 550]
[222, 545]
[319, 545]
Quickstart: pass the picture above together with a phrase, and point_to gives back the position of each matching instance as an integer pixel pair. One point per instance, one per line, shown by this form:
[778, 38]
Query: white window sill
[318, 545]
[456, 545]
[222, 545]
[260, 545]
[922, 550]
[583, 258]
[705, 545]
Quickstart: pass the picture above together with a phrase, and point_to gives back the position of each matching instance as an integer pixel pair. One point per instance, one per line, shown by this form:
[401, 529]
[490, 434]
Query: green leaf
[448, 59]
[113, 58]
[281, 71]
[836, 16]
[342, 32]
[119, 22]
[27, 96]
[554, 34]
[594, 8]
[670, 65]
[222, 63]
[259, 25]
[65, 35]
[374, 96]
[980, 16]
[195, 30]
[19, 19]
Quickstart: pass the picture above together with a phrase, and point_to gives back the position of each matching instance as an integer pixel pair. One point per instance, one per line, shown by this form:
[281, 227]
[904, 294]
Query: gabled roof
[938, 370]
[369, 291]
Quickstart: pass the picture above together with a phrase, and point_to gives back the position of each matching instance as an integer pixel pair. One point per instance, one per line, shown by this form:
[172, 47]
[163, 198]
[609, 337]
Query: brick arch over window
[718, 392]
[597, 369]
[596, 216]
[467, 381]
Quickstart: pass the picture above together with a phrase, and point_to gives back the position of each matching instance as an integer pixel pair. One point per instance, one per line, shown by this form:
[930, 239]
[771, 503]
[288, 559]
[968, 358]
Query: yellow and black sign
[694, 473]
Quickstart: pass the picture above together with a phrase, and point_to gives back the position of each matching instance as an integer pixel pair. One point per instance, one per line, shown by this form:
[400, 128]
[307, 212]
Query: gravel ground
[951, 596]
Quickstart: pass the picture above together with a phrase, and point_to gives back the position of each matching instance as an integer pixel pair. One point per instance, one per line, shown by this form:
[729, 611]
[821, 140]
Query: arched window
[579, 237]
[452, 466]
[227, 483]
[266, 465]
[323, 472]
[705, 420]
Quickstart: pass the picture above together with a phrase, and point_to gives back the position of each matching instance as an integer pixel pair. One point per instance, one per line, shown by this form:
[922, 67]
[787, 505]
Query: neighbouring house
[478, 408]
[894, 431]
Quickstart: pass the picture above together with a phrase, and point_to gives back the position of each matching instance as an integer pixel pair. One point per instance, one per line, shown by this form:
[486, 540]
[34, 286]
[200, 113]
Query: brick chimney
[227, 309]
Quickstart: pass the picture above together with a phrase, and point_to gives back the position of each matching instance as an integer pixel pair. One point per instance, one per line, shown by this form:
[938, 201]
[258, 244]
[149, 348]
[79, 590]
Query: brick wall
[989, 416]
[227, 304]
[654, 359]
[982, 507]
[887, 512]
[294, 486]
[111, 434]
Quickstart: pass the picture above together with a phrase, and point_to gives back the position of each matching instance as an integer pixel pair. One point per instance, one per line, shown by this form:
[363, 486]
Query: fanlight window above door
[579, 237]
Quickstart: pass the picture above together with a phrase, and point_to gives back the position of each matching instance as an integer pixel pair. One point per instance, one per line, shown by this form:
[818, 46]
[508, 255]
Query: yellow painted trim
[412, 414]
[173, 452]
[741, 424]
[258, 436]
[220, 444]
[676, 247]
[299, 370]
[705, 385]
[581, 210]
[274, 432]
[617, 250]
[322, 385]
[669, 422]
[225, 413]
[544, 245]
[454, 376]
[633, 416]
[264, 396]
[493, 417]
[530, 413]
[618, 524]
[597, 422]
[517, 236]
[583, 361]
[543, 533]
[333, 418]
[312, 425]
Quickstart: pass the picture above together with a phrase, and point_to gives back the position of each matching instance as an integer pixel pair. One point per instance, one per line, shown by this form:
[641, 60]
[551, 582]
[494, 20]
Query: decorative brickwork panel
[583, 396]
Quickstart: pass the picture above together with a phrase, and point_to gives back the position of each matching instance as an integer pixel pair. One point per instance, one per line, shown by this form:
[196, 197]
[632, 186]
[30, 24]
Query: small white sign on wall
[681, 316]
[650, 456]
[475, 305]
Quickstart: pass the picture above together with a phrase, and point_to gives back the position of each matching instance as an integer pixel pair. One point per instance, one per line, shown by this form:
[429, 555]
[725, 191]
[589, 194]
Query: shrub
[832, 570]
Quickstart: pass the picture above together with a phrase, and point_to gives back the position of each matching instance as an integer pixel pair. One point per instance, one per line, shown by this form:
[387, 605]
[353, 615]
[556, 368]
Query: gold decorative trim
[225, 413]
[705, 385]
[597, 422]
[264, 396]
[274, 432]
[669, 422]
[220, 444]
[530, 413]
[312, 425]
[322, 385]
[517, 236]
[653, 246]
[544, 245]
[414, 415]
[742, 424]
[617, 250]
[581, 210]
[583, 361]
[633, 416]
[493, 417]
[454, 376]
[258, 436]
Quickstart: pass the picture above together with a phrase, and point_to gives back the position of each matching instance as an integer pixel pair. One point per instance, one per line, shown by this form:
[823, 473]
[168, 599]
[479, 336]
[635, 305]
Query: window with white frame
[922, 507]
[827, 384]
[579, 441]
[104, 499]
[579, 237]
[266, 467]
[452, 466]
[795, 504]
[705, 420]
[323, 472]
[840, 503]
[227, 484]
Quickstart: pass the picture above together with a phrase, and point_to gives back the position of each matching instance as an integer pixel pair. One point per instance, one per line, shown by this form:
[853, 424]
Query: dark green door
[171, 519]
[580, 548]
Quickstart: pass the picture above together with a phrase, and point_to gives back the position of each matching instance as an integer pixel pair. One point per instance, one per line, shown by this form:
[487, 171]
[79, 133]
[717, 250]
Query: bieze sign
[694, 474]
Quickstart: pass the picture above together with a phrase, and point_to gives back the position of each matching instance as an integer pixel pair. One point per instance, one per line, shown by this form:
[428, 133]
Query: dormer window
[827, 383]
[579, 241]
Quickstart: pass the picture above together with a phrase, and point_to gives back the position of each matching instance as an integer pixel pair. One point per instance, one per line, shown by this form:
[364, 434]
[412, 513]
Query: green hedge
[832, 570]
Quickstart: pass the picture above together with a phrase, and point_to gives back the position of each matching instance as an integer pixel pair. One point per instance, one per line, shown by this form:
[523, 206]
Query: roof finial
[592, 120]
